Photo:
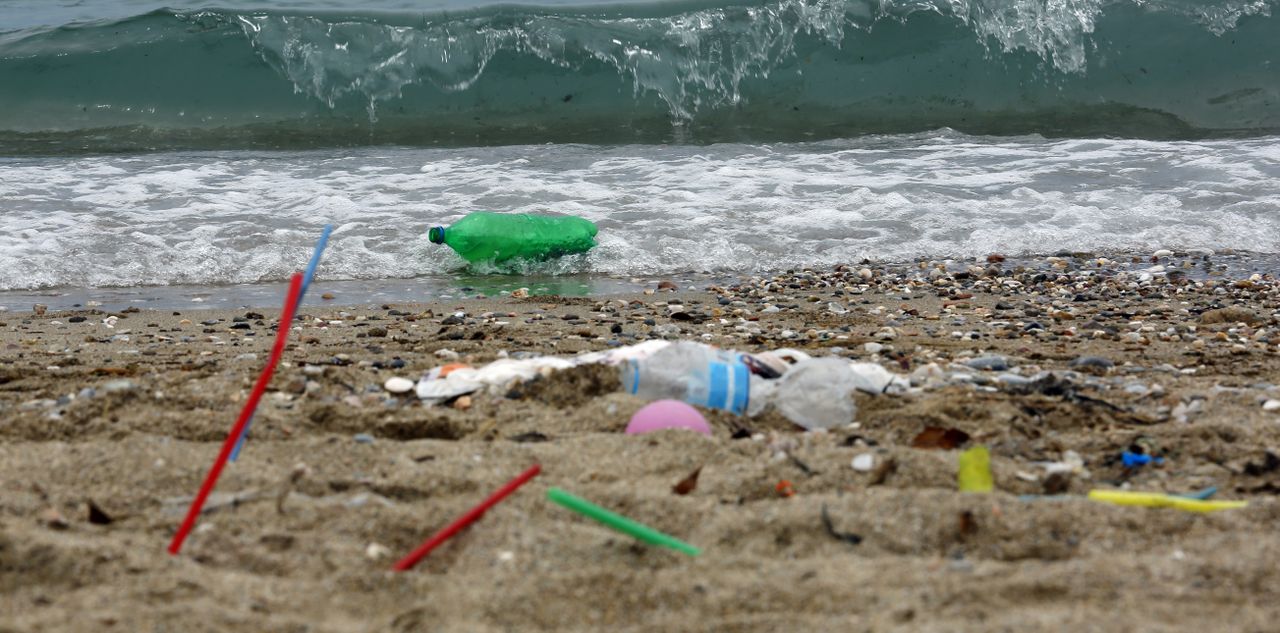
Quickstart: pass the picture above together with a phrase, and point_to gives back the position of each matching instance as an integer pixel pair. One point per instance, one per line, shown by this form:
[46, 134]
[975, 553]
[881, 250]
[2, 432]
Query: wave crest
[646, 72]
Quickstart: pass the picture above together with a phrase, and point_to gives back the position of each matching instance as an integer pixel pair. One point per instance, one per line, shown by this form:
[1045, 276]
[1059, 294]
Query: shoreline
[340, 477]
[463, 284]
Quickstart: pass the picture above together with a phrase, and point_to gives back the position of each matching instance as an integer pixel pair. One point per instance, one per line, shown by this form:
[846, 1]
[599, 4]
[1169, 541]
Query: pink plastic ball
[667, 414]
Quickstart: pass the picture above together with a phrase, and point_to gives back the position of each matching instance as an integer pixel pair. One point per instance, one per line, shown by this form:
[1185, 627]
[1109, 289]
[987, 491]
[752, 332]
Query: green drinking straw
[619, 522]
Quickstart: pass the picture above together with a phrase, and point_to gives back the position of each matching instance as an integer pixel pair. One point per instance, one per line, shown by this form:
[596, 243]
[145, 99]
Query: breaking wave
[692, 71]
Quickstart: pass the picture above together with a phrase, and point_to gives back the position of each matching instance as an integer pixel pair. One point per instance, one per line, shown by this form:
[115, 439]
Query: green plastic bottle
[498, 237]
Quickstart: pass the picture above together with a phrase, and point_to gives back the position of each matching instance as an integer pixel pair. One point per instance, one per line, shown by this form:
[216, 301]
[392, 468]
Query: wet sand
[340, 477]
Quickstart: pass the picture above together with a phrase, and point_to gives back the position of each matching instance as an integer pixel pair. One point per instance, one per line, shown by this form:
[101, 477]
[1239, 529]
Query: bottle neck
[436, 235]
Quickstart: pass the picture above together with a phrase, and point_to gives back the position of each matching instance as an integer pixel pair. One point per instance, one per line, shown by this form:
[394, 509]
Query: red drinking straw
[463, 521]
[286, 319]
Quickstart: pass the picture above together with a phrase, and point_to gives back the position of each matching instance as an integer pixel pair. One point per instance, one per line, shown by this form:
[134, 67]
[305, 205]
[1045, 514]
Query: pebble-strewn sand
[341, 478]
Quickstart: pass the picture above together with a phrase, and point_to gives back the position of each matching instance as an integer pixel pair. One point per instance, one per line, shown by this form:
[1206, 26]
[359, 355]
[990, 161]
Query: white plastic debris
[496, 376]
[818, 393]
[778, 368]
[1185, 411]
[864, 462]
[639, 351]
[1072, 463]
[873, 378]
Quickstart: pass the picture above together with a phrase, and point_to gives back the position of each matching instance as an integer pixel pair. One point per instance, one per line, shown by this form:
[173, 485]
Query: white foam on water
[214, 218]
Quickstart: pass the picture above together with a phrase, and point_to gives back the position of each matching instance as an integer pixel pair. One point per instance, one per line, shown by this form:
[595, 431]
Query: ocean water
[148, 145]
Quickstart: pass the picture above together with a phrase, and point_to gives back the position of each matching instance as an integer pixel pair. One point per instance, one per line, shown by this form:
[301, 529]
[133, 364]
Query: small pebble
[118, 386]
[989, 363]
[1095, 362]
[54, 519]
[398, 385]
[864, 463]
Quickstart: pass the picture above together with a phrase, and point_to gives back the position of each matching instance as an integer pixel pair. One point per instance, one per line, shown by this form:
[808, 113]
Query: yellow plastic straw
[975, 470]
[1161, 500]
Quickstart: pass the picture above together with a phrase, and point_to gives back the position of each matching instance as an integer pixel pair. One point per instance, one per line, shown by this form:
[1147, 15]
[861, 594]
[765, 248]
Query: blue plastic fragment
[315, 261]
[1202, 495]
[1133, 460]
[306, 281]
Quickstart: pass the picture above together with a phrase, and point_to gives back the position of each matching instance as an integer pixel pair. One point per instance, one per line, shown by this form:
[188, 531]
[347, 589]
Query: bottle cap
[436, 235]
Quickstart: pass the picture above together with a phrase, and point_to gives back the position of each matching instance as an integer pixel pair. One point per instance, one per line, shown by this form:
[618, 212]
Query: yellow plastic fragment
[1161, 500]
[975, 470]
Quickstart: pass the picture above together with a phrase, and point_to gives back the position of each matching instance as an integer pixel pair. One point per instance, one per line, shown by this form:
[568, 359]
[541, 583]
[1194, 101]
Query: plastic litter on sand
[620, 523]
[1161, 500]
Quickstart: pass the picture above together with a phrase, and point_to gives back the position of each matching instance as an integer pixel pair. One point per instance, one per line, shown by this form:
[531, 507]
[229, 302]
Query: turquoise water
[115, 76]
[194, 145]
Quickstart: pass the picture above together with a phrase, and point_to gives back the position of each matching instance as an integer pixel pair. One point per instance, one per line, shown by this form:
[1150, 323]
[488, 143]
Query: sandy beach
[1058, 365]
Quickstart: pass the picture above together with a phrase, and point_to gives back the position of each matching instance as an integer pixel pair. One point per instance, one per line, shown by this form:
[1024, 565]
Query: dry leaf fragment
[938, 438]
[848, 537]
[97, 516]
[687, 485]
